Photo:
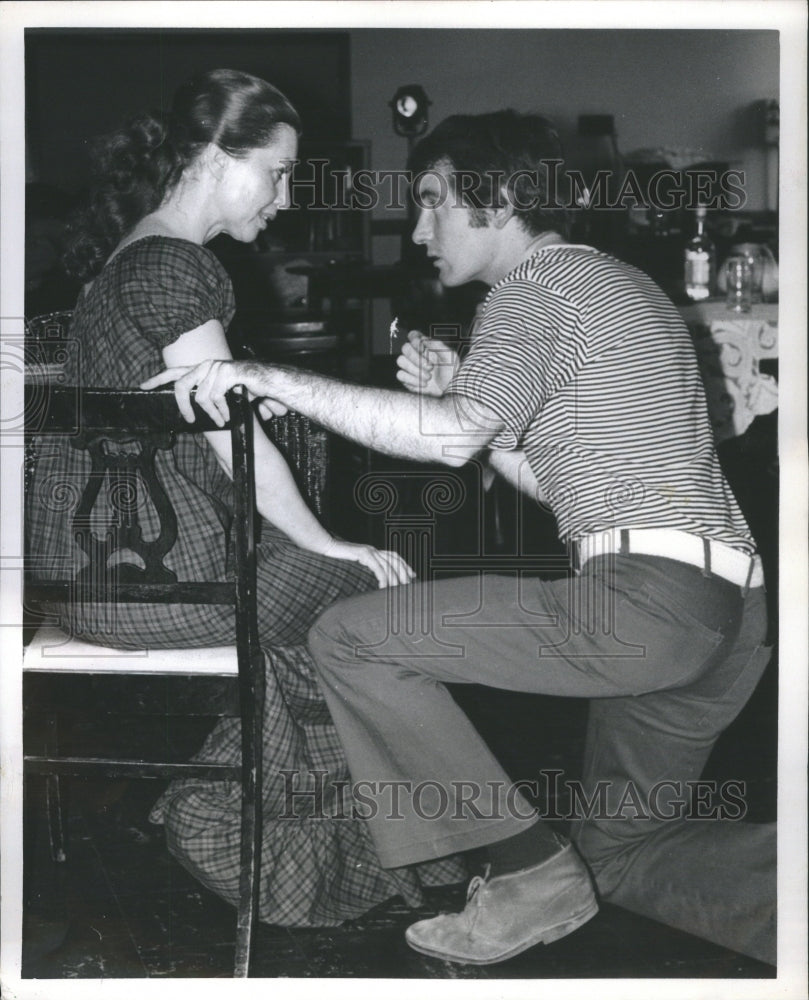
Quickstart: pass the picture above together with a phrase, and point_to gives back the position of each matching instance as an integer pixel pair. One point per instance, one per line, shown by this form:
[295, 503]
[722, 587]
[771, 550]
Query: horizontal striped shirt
[594, 375]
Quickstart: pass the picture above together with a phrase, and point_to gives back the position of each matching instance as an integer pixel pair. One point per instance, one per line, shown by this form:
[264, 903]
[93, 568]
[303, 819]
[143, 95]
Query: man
[580, 386]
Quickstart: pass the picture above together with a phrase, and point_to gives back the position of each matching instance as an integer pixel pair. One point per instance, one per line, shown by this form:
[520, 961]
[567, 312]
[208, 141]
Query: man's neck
[517, 246]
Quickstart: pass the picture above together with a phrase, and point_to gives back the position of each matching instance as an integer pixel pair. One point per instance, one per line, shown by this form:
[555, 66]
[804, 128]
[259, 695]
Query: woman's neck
[168, 220]
[183, 214]
[179, 217]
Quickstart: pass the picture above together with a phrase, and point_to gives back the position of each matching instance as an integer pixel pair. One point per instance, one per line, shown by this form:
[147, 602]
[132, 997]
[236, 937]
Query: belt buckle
[706, 556]
[750, 570]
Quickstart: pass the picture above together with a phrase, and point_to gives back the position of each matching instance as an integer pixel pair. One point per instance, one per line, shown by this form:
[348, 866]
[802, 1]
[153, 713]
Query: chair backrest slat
[122, 432]
[58, 409]
[181, 592]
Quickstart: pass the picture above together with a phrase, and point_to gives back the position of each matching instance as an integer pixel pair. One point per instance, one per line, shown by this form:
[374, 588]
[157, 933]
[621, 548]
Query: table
[731, 348]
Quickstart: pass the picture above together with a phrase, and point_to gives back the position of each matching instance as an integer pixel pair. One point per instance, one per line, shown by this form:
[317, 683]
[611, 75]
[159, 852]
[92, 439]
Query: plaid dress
[318, 863]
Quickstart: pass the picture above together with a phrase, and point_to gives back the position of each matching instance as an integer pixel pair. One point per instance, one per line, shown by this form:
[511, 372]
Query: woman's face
[254, 188]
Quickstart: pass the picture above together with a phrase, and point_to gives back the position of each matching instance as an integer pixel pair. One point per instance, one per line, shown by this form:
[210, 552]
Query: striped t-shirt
[592, 370]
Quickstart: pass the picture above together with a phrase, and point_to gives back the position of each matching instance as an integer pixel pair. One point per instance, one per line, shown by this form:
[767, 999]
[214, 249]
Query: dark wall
[82, 83]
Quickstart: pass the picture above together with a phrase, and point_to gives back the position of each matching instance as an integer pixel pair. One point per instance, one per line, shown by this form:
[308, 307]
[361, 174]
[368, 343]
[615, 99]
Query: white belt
[711, 556]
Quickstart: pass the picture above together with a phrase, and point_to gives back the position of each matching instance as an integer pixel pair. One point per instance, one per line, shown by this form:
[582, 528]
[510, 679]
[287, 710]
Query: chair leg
[33, 801]
[251, 820]
[250, 846]
[55, 798]
[55, 806]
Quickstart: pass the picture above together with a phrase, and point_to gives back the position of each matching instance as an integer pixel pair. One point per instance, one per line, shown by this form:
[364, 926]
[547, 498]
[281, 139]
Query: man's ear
[501, 215]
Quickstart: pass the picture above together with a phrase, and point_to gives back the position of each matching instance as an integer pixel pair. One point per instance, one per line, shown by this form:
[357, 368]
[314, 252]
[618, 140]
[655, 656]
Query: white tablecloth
[730, 347]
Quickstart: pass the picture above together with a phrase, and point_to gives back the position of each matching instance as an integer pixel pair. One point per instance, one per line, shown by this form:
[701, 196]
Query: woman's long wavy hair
[137, 166]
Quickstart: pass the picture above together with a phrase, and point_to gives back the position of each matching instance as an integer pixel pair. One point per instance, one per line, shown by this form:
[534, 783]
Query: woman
[156, 297]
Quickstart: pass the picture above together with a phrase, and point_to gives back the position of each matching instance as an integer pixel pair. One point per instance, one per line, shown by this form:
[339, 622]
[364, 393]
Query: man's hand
[426, 366]
[211, 380]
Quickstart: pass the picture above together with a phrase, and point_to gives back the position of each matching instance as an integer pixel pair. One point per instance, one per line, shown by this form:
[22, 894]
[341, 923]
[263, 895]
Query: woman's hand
[389, 568]
[211, 380]
[426, 366]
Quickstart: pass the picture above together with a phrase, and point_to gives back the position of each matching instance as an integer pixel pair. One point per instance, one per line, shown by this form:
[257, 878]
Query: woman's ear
[214, 160]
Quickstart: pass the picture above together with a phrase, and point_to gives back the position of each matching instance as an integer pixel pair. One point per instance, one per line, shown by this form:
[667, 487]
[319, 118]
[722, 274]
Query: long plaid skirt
[319, 866]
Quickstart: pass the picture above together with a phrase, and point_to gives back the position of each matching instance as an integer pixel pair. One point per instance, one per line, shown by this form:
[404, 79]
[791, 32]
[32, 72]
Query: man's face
[460, 246]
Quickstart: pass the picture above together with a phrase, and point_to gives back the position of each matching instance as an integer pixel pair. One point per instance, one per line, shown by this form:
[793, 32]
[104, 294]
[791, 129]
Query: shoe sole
[548, 936]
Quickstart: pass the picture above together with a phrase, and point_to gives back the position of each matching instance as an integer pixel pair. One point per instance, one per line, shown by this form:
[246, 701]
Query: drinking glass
[755, 256]
[739, 280]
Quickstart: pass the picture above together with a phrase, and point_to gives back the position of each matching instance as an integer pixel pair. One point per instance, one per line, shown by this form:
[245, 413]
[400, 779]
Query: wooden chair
[54, 662]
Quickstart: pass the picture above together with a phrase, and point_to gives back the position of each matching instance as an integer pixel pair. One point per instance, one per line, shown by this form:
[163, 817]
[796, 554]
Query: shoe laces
[474, 885]
[470, 913]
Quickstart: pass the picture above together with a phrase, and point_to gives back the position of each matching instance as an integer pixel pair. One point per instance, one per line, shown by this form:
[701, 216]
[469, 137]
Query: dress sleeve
[528, 344]
[169, 287]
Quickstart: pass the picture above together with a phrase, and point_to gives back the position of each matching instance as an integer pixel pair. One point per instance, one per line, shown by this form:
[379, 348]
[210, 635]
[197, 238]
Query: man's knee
[326, 637]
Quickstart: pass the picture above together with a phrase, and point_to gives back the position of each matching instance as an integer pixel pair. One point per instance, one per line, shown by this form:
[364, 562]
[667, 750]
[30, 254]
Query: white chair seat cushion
[53, 650]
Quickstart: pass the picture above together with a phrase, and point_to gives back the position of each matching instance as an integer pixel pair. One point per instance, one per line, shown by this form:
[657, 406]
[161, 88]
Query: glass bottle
[700, 261]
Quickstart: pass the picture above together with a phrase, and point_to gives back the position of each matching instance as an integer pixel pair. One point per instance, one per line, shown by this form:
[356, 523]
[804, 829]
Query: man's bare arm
[449, 429]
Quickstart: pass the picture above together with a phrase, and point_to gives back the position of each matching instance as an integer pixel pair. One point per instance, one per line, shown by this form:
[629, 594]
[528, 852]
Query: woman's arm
[277, 496]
